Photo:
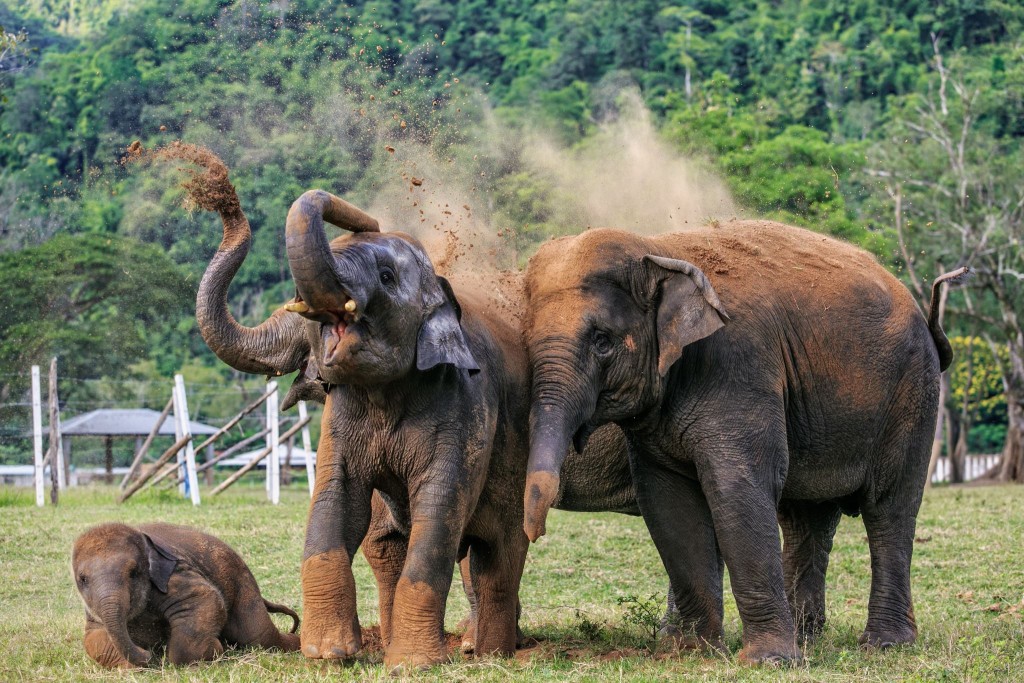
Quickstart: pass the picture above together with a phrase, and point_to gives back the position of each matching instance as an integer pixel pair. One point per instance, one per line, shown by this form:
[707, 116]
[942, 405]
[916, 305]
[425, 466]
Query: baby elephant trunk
[113, 613]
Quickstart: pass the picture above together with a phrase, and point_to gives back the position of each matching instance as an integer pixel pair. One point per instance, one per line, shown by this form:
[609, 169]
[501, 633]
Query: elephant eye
[602, 343]
[387, 276]
[134, 573]
[83, 579]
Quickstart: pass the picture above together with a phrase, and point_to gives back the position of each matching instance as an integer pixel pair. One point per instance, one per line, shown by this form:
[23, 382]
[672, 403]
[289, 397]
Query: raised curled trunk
[315, 271]
[277, 345]
[113, 613]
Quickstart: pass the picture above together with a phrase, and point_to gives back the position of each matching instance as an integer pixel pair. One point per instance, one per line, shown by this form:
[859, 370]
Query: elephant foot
[873, 639]
[330, 643]
[468, 628]
[330, 625]
[770, 652]
[399, 661]
[673, 636]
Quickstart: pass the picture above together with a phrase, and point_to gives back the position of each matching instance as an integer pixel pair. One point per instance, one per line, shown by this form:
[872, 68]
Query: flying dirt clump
[208, 189]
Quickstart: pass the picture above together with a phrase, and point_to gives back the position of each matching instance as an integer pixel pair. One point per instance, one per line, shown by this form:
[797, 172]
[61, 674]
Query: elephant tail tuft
[941, 342]
[281, 609]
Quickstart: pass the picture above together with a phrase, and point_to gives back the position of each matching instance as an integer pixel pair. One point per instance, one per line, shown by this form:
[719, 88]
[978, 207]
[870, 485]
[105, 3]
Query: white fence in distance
[974, 467]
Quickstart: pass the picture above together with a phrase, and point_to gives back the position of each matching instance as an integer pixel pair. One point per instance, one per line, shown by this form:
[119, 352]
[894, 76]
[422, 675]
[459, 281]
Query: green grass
[968, 582]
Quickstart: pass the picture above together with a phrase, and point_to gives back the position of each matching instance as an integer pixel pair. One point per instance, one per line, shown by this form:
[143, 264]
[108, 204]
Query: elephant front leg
[807, 532]
[385, 549]
[417, 635]
[101, 648]
[680, 523]
[339, 516]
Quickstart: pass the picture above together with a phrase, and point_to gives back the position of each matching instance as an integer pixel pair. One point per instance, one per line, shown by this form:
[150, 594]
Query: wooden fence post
[274, 463]
[307, 445]
[55, 450]
[37, 436]
[191, 483]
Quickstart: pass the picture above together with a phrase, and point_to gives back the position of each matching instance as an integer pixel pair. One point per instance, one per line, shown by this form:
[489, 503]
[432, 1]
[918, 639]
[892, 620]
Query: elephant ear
[688, 308]
[441, 338]
[161, 563]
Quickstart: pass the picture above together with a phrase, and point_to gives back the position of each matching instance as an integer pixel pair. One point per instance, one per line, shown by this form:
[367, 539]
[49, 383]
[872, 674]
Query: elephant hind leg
[496, 570]
[807, 530]
[890, 511]
[249, 624]
[385, 548]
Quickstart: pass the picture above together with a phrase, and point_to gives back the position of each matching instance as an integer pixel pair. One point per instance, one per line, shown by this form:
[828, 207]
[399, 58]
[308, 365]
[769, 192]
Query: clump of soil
[209, 188]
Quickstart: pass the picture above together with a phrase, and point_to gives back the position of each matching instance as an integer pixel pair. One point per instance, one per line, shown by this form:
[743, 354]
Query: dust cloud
[626, 176]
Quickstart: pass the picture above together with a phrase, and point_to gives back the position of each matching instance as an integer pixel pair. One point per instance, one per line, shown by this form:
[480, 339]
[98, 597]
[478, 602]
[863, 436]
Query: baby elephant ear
[441, 338]
[688, 308]
[161, 563]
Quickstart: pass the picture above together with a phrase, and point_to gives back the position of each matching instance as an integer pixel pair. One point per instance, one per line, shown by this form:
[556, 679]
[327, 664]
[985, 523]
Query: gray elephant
[166, 586]
[762, 374]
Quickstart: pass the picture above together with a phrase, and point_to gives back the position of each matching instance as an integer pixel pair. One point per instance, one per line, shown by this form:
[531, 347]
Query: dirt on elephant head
[208, 188]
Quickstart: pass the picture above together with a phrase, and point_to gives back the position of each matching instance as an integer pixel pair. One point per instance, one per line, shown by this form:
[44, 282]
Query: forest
[896, 126]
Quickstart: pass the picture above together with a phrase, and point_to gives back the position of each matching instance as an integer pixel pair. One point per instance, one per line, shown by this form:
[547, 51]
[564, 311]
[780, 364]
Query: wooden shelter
[115, 423]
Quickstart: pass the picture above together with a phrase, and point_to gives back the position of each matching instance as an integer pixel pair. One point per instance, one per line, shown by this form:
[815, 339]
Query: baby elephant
[166, 586]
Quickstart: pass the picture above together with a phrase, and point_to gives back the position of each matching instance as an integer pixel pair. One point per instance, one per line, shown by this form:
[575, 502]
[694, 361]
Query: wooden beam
[161, 461]
[146, 444]
[259, 457]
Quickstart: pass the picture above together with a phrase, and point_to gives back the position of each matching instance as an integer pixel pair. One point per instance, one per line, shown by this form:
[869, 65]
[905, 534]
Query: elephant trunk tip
[541, 493]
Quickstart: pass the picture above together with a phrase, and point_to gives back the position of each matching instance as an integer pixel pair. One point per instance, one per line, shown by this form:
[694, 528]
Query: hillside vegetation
[894, 125]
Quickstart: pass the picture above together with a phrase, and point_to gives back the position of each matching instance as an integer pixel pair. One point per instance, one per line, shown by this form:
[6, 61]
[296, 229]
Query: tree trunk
[940, 425]
[1013, 450]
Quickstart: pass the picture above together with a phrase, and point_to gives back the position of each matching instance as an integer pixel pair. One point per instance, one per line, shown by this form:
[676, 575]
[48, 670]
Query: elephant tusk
[350, 305]
[297, 307]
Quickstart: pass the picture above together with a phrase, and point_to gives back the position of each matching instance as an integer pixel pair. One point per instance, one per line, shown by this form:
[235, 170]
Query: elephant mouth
[337, 334]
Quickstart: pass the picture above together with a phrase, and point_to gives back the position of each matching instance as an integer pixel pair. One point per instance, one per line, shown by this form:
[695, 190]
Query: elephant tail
[934, 326]
[281, 609]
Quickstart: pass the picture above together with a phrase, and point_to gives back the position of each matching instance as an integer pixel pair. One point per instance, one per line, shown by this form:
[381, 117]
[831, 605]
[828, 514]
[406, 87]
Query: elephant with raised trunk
[161, 586]
[393, 350]
[763, 375]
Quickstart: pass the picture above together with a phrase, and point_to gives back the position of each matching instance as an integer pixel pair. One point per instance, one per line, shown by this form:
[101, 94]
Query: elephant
[764, 376]
[379, 430]
[163, 586]
[425, 394]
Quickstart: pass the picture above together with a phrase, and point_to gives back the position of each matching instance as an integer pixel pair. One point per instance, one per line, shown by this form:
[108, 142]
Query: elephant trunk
[277, 345]
[322, 291]
[113, 614]
[561, 405]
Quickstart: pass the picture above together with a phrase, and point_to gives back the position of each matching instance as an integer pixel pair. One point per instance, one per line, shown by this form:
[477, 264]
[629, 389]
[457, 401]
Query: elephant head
[115, 568]
[607, 317]
[378, 306]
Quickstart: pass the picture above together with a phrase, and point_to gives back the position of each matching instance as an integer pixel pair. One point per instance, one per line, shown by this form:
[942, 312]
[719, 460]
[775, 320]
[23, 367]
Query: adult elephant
[803, 383]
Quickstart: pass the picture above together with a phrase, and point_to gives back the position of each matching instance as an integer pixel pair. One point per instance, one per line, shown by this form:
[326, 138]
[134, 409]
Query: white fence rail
[974, 467]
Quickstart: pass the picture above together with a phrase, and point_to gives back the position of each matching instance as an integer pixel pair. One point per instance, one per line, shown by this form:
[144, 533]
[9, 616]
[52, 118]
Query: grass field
[968, 582]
